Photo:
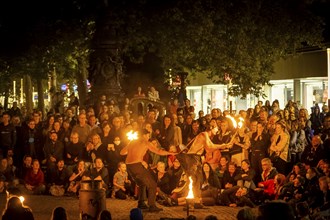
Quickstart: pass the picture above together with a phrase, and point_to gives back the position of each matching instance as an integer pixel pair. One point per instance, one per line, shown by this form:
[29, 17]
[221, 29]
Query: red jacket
[269, 187]
[34, 179]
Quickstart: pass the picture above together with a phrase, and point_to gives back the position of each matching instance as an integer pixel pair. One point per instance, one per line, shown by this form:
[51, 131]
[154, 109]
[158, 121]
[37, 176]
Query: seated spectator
[59, 179]
[312, 187]
[72, 151]
[86, 154]
[228, 180]
[76, 177]
[210, 185]
[99, 149]
[313, 152]
[99, 172]
[296, 190]
[268, 171]
[27, 164]
[171, 158]
[162, 179]
[324, 197]
[34, 179]
[7, 172]
[175, 173]
[122, 187]
[325, 168]
[297, 170]
[54, 150]
[223, 166]
[16, 210]
[238, 195]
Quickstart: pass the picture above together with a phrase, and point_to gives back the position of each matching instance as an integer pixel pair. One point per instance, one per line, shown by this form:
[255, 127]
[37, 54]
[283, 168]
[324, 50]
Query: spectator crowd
[278, 153]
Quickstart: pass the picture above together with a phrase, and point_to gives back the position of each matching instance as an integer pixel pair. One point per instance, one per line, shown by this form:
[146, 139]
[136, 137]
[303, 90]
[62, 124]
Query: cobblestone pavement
[42, 207]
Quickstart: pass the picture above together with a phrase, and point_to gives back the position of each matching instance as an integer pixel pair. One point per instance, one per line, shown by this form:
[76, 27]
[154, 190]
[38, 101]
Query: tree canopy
[240, 39]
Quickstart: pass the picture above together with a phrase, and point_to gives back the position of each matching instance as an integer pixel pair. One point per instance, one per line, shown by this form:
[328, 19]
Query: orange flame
[132, 135]
[241, 122]
[232, 120]
[190, 193]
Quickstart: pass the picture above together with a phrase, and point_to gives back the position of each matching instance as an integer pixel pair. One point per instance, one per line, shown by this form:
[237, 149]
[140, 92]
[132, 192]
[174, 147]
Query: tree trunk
[28, 92]
[81, 80]
[41, 103]
[53, 88]
[5, 105]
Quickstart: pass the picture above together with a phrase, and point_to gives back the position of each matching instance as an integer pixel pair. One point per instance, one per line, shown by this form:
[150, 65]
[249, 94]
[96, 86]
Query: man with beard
[32, 142]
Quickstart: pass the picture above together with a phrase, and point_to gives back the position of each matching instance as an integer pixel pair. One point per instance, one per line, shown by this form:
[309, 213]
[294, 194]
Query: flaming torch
[190, 197]
[234, 125]
[132, 135]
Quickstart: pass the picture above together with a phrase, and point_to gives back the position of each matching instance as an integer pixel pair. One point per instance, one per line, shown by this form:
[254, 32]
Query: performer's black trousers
[144, 180]
[191, 164]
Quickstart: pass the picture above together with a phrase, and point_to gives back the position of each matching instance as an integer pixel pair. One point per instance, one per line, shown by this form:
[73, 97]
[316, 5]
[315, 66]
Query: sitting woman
[76, 177]
[220, 171]
[210, 185]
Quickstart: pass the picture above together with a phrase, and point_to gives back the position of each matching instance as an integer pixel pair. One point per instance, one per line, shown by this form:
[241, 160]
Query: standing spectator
[279, 148]
[239, 151]
[32, 141]
[7, 135]
[15, 110]
[95, 128]
[260, 142]
[82, 128]
[166, 135]
[177, 139]
[316, 119]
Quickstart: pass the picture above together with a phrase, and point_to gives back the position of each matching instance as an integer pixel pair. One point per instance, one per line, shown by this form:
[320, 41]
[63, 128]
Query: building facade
[302, 78]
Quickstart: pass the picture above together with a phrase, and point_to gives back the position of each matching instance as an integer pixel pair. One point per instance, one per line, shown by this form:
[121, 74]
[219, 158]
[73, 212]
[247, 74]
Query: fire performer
[190, 158]
[135, 150]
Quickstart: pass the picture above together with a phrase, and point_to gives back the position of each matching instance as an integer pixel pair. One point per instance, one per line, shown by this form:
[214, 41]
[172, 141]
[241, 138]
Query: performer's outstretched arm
[211, 146]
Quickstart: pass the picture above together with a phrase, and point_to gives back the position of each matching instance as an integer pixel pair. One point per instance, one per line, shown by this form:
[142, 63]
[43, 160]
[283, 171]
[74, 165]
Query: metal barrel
[91, 199]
